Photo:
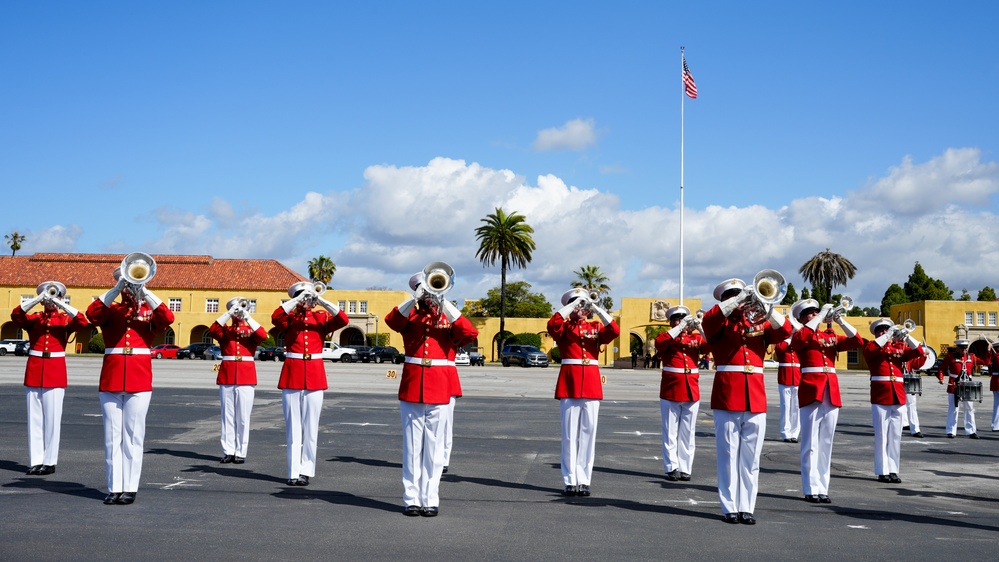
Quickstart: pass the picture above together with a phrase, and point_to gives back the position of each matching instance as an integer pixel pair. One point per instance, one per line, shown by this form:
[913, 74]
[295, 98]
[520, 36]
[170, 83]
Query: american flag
[688, 81]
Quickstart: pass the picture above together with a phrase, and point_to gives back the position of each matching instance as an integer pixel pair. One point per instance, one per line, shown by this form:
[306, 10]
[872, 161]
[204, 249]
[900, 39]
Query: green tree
[987, 294]
[965, 295]
[894, 295]
[922, 287]
[872, 311]
[826, 270]
[590, 277]
[321, 269]
[792, 295]
[14, 240]
[507, 239]
[805, 294]
[517, 300]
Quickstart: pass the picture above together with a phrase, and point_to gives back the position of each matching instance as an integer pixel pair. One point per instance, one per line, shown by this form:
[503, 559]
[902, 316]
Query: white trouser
[910, 415]
[969, 416]
[818, 428]
[422, 453]
[679, 422]
[124, 432]
[301, 420]
[790, 421]
[995, 410]
[448, 421]
[237, 403]
[739, 439]
[44, 424]
[579, 439]
[887, 422]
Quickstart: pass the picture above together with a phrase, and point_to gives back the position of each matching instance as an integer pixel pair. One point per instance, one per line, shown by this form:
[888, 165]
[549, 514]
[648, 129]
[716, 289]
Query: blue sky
[380, 133]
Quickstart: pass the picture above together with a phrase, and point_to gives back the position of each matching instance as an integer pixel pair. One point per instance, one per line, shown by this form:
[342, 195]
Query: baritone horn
[769, 288]
[137, 269]
[845, 305]
[438, 278]
[903, 331]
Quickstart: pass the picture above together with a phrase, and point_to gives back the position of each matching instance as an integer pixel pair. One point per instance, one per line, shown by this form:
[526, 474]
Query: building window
[981, 319]
[969, 318]
[169, 336]
[252, 308]
[353, 307]
[364, 307]
[207, 337]
[342, 305]
[175, 305]
[211, 305]
[852, 357]
[992, 319]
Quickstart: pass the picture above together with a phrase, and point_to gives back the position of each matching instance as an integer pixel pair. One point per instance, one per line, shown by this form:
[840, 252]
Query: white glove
[883, 338]
[911, 342]
[109, 297]
[330, 307]
[151, 299]
[728, 306]
[823, 312]
[31, 303]
[566, 311]
[776, 318]
[290, 305]
[601, 314]
[254, 325]
[221, 320]
[849, 330]
[68, 309]
[407, 306]
[795, 325]
[451, 311]
[675, 330]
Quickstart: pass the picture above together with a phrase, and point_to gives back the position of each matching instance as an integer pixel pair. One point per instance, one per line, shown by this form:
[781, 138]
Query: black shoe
[226, 459]
[412, 511]
[444, 471]
[918, 435]
[125, 498]
[883, 478]
[583, 490]
[824, 499]
[50, 468]
[569, 491]
[793, 440]
[950, 436]
[238, 460]
[673, 475]
[810, 498]
[972, 436]
[747, 518]
[788, 440]
[293, 481]
[430, 511]
[112, 498]
[34, 470]
[731, 518]
[894, 479]
[302, 481]
[685, 476]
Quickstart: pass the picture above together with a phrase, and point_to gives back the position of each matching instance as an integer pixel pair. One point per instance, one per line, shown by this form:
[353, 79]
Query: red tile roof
[172, 272]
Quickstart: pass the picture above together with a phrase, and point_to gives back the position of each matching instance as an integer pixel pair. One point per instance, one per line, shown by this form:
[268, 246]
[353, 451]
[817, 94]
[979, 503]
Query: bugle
[845, 306]
[768, 289]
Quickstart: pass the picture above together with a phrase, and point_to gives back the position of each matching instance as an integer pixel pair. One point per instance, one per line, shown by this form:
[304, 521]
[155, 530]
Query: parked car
[361, 350]
[523, 355]
[165, 351]
[271, 354]
[214, 352]
[333, 351]
[461, 358]
[770, 364]
[379, 354]
[476, 358]
[21, 349]
[934, 369]
[8, 346]
[193, 351]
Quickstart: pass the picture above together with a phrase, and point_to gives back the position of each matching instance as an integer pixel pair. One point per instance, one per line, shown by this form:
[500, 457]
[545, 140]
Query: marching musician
[45, 372]
[579, 387]
[994, 387]
[788, 379]
[886, 357]
[739, 336]
[910, 415]
[448, 417]
[956, 364]
[432, 327]
[303, 375]
[818, 393]
[130, 328]
[237, 378]
[679, 391]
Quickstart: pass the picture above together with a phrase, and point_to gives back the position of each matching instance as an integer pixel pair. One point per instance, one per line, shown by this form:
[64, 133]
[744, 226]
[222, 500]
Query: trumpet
[438, 278]
[137, 269]
[845, 305]
[903, 331]
[51, 290]
[694, 322]
[768, 289]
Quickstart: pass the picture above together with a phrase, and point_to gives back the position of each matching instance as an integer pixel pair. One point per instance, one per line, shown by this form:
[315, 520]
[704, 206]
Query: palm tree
[14, 240]
[321, 269]
[590, 277]
[506, 238]
[826, 270]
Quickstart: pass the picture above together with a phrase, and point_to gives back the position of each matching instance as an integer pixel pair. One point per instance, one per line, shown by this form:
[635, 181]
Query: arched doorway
[351, 335]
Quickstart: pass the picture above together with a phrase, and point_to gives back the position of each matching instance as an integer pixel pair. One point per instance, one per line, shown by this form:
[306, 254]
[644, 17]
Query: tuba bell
[438, 278]
[769, 288]
[138, 268]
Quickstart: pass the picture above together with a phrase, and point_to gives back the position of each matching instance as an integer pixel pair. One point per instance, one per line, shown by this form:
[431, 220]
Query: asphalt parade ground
[501, 498]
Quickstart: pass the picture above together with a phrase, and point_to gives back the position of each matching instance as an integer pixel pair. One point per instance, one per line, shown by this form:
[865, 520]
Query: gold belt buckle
[238, 358]
[306, 356]
[427, 362]
[46, 354]
[126, 351]
[826, 370]
[892, 378]
[749, 369]
[686, 370]
[586, 361]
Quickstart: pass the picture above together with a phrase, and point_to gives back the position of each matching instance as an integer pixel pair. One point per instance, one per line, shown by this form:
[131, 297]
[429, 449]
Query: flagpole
[682, 95]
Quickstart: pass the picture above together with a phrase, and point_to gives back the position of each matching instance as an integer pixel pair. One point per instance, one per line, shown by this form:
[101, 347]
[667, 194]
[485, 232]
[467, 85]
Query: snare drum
[968, 391]
[913, 384]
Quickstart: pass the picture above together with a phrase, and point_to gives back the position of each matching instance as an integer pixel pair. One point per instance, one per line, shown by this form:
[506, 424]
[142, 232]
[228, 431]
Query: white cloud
[58, 238]
[575, 135]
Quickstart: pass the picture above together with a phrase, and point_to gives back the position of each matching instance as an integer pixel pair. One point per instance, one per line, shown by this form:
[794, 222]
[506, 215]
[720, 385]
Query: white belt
[427, 362]
[126, 351]
[46, 354]
[828, 370]
[747, 369]
[893, 378]
[238, 357]
[788, 364]
[586, 361]
[306, 356]
[954, 376]
[680, 370]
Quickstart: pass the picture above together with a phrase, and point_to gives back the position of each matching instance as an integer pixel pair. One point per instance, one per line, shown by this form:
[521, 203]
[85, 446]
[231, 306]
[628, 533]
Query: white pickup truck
[336, 352]
[8, 346]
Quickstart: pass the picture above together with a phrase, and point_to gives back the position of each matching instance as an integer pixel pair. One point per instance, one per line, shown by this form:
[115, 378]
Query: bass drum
[931, 358]
[980, 348]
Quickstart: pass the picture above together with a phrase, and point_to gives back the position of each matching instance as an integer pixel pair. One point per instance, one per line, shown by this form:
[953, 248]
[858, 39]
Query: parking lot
[500, 500]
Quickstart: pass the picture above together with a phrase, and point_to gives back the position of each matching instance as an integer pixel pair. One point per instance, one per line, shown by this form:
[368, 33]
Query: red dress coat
[237, 340]
[48, 331]
[304, 333]
[580, 340]
[953, 366]
[886, 365]
[679, 356]
[788, 365]
[738, 347]
[818, 350]
[430, 340]
[126, 327]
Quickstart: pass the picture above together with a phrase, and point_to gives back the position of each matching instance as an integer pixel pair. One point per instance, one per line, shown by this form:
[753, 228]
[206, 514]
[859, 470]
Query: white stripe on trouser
[579, 439]
[790, 418]
[887, 422]
[910, 415]
[739, 440]
[124, 432]
[448, 421]
[236, 402]
[969, 416]
[422, 452]
[44, 424]
[818, 428]
[301, 421]
[995, 410]
[679, 422]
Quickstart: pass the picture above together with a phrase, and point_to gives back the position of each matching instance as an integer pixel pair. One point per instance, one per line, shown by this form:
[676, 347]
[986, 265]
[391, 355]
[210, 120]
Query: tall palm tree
[321, 269]
[506, 238]
[590, 277]
[14, 240]
[827, 270]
